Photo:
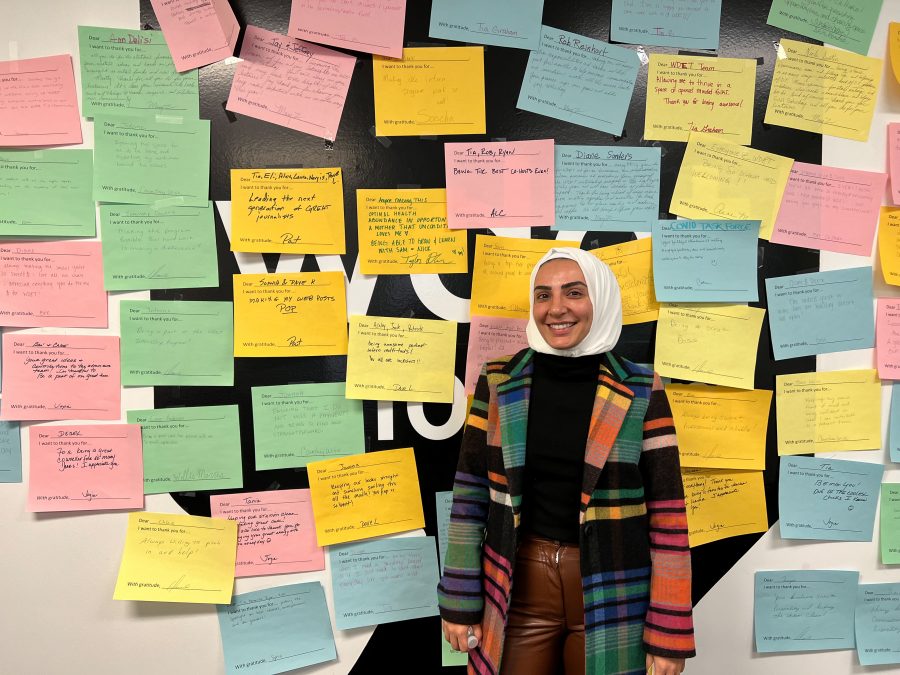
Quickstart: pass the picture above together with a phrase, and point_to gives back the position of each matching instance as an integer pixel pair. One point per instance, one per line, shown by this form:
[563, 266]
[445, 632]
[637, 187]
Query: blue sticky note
[276, 629]
[821, 313]
[878, 624]
[606, 189]
[705, 260]
[673, 23]
[383, 580]
[803, 610]
[579, 80]
[828, 498]
[894, 429]
[443, 503]
[10, 453]
[505, 23]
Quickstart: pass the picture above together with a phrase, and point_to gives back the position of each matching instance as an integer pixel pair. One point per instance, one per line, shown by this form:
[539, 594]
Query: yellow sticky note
[401, 359]
[292, 314]
[365, 496]
[720, 427]
[632, 263]
[430, 91]
[715, 344]
[824, 90]
[828, 412]
[894, 48]
[177, 558]
[721, 180]
[889, 244]
[722, 504]
[699, 94]
[405, 232]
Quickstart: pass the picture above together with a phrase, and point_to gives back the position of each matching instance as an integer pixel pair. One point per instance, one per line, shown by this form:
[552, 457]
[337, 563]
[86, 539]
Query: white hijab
[603, 290]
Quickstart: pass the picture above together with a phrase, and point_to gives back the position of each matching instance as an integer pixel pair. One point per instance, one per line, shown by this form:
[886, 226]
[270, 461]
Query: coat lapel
[513, 389]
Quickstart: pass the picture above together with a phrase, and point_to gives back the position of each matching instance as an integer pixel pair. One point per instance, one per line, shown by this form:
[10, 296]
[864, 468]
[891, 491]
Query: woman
[593, 524]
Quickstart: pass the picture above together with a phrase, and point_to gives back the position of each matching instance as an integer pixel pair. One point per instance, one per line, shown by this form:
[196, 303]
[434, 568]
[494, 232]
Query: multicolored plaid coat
[635, 560]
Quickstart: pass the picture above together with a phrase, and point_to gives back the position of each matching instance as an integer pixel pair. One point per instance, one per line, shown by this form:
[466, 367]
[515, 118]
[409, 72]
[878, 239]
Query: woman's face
[562, 307]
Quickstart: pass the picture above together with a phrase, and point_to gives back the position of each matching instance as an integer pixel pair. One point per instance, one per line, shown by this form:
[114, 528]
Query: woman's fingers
[457, 635]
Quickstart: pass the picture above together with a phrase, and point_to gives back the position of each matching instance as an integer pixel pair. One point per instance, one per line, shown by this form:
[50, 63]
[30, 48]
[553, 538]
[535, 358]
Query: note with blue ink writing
[878, 624]
[843, 23]
[504, 23]
[690, 24]
[894, 428]
[10, 453]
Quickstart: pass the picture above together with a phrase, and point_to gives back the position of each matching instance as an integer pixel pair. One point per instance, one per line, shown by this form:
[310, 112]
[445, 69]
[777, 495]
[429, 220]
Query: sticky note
[195, 448]
[168, 343]
[710, 173]
[823, 90]
[490, 337]
[820, 313]
[877, 619]
[700, 95]
[401, 359]
[632, 263]
[52, 283]
[365, 496]
[889, 244]
[723, 503]
[60, 377]
[357, 25]
[294, 424]
[276, 630]
[887, 346]
[383, 581]
[85, 468]
[605, 189]
[275, 531]
[705, 260]
[446, 83]
[288, 211]
[174, 558]
[719, 427]
[715, 344]
[197, 34]
[843, 23]
[38, 104]
[830, 209]
[10, 453]
[443, 502]
[580, 80]
[449, 657]
[667, 23]
[894, 427]
[828, 411]
[405, 232]
[894, 48]
[504, 23]
[290, 314]
[890, 523]
[893, 143]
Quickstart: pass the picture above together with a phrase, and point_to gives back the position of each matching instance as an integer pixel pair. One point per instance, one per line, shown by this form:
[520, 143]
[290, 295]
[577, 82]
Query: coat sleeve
[669, 626]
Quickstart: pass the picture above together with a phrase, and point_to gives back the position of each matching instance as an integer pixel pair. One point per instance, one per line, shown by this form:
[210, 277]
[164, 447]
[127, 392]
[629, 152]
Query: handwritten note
[692, 24]
[197, 33]
[632, 263]
[401, 359]
[291, 83]
[197, 448]
[365, 496]
[290, 314]
[894, 48]
[275, 531]
[287, 211]
[828, 412]
[821, 312]
[60, 377]
[580, 80]
[887, 345]
[893, 143]
[405, 232]
[889, 244]
[716, 344]
[705, 260]
[443, 502]
[490, 337]
[383, 581]
[176, 558]
[894, 423]
[373, 26]
[504, 23]
[722, 504]
[606, 189]
[720, 428]
[38, 104]
[823, 90]
[10, 453]
[294, 424]
[54, 283]
[85, 468]
[130, 72]
[877, 620]
[844, 23]
[890, 523]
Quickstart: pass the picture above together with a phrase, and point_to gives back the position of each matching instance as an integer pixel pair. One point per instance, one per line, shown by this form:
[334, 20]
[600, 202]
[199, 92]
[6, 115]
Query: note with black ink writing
[843, 23]
[889, 244]
[887, 338]
[198, 33]
[723, 503]
[504, 23]
[632, 263]
[373, 26]
[690, 24]
[38, 103]
[10, 453]
[490, 337]
[889, 526]
[877, 621]
[443, 506]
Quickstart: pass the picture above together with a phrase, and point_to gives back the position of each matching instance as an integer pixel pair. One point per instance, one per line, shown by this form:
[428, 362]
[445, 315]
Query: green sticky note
[47, 193]
[145, 160]
[890, 523]
[300, 423]
[189, 449]
[449, 657]
[842, 23]
[130, 72]
[177, 343]
[145, 247]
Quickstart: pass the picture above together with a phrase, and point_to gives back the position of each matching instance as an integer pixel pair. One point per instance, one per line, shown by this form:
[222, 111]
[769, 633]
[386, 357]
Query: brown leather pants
[545, 627]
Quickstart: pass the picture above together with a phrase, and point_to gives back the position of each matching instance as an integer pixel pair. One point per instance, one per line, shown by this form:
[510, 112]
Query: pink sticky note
[490, 337]
[893, 140]
[198, 32]
[887, 338]
[508, 184]
[361, 25]
[52, 283]
[289, 82]
[60, 377]
[276, 533]
[88, 467]
[38, 104]
[830, 209]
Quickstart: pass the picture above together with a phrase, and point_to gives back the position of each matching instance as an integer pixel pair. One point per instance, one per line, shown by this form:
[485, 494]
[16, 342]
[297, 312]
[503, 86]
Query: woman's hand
[662, 665]
[457, 634]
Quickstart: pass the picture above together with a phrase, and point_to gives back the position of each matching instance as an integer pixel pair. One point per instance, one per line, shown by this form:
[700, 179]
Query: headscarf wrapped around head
[603, 290]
